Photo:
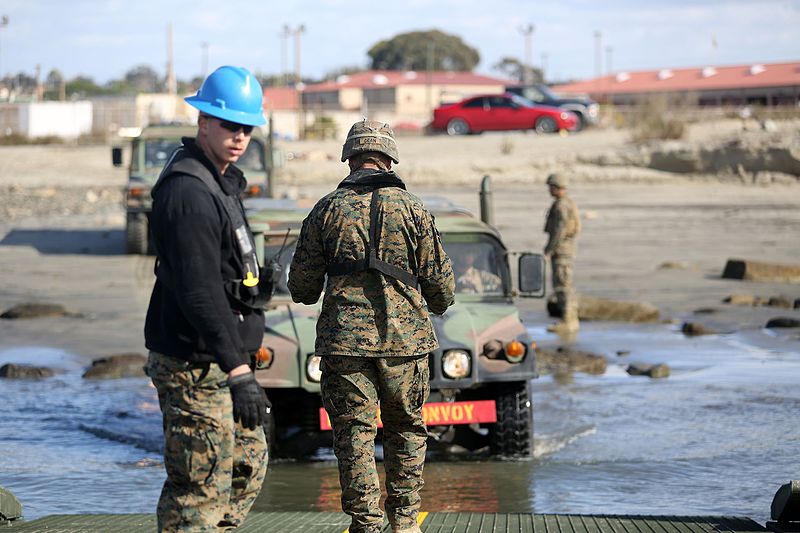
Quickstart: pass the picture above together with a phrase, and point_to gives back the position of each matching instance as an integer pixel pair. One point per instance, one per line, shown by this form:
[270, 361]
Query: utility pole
[204, 60]
[301, 29]
[609, 56]
[527, 32]
[39, 91]
[3, 24]
[284, 35]
[544, 67]
[429, 77]
[172, 84]
[297, 32]
[598, 54]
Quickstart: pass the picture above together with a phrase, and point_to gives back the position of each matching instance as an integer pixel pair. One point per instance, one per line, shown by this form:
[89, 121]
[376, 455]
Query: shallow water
[719, 436]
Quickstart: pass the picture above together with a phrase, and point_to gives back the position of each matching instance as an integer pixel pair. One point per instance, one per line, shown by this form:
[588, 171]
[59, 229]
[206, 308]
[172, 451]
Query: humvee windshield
[158, 151]
[477, 263]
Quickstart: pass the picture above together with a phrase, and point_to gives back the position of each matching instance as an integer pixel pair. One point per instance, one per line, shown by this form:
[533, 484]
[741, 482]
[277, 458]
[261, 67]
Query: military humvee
[150, 150]
[480, 396]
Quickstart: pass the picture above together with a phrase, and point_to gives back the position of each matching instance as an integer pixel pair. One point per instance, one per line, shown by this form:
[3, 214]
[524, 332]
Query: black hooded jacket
[195, 320]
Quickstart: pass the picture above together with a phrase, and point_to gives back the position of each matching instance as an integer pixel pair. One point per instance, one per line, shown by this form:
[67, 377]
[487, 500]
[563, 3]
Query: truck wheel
[546, 125]
[581, 121]
[512, 434]
[136, 234]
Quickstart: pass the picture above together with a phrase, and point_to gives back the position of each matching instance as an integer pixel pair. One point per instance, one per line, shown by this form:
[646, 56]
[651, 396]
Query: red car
[501, 112]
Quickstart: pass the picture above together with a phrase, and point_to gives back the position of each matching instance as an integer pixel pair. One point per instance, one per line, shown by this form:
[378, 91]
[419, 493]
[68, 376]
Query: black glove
[249, 400]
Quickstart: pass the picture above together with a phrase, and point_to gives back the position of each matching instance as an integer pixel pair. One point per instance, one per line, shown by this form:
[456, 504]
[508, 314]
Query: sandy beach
[61, 239]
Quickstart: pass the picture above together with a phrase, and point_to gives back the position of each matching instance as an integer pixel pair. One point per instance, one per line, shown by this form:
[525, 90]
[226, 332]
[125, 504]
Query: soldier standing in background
[563, 225]
[384, 261]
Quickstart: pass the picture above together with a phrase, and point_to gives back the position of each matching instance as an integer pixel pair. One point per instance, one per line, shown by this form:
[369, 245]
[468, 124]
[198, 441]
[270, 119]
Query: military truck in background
[151, 147]
[480, 396]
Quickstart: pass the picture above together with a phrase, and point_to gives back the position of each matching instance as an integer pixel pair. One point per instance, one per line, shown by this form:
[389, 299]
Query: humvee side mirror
[531, 275]
[116, 156]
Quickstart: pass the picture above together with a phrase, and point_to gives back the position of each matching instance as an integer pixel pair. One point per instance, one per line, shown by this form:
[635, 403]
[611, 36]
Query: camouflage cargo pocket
[422, 382]
[191, 452]
[333, 402]
[347, 385]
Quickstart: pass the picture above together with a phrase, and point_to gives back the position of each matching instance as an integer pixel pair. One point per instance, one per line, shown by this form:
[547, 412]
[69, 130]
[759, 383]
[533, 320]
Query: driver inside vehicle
[471, 278]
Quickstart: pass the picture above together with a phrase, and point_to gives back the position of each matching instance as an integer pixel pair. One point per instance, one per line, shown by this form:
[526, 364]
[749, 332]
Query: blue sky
[105, 38]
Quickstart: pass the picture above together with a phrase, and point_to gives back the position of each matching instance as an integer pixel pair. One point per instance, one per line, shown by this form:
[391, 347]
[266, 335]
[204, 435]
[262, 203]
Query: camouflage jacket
[368, 313]
[563, 225]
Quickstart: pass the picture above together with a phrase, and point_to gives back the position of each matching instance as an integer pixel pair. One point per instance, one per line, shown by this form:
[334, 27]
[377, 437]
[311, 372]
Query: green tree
[143, 79]
[21, 82]
[53, 84]
[270, 80]
[514, 69]
[342, 71]
[191, 86]
[83, 86]
[414, 51]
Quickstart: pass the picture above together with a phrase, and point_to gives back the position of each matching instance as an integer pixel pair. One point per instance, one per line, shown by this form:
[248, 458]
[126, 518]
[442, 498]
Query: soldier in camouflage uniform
[562, 226]
[383, 258]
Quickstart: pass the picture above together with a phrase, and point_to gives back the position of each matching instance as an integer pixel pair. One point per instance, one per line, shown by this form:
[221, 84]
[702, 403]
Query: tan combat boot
[569, 325]
[407, 529]
[413, 529]
[563, 327]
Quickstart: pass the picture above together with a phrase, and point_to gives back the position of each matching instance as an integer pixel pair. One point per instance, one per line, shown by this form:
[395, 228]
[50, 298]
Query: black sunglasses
[234, 127]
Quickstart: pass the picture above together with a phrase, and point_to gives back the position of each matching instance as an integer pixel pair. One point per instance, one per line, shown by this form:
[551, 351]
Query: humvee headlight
[515, 351]
[456, 364]
[136, 192]
[253, 191]
[313, 370]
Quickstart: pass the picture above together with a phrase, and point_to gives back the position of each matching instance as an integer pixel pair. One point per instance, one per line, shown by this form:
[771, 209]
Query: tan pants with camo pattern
[352, 388]
[215, 467]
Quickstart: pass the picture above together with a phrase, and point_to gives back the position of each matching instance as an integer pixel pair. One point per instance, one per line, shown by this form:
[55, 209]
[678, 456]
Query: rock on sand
[652, 371]
[15, 371]
[34, 310]
[128, 365]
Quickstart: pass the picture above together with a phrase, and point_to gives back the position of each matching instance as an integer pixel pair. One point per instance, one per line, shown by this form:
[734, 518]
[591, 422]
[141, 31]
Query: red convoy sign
[441, 414]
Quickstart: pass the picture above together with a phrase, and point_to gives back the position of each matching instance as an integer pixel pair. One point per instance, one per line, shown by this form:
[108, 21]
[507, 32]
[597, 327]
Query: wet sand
[630, 227]
[629, 231]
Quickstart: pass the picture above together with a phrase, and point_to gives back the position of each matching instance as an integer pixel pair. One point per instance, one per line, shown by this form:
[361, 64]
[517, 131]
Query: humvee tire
[512, 434]
[136, 234]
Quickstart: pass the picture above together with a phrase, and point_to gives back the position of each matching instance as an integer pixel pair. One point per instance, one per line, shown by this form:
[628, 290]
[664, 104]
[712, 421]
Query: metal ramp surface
[315, 522]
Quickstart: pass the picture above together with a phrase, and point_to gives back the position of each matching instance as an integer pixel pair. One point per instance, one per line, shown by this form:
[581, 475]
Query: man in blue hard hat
[205, 320]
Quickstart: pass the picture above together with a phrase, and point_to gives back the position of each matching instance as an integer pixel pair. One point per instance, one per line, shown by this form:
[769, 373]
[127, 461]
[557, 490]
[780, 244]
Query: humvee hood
[471, 325]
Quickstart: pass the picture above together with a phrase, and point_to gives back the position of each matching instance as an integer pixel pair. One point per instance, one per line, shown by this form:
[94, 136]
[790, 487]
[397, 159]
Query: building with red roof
[405, 93]
[759, 83]
[281, 99]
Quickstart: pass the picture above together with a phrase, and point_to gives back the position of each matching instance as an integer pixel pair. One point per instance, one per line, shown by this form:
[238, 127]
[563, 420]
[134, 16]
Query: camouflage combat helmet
[370, 136]
[558, 180]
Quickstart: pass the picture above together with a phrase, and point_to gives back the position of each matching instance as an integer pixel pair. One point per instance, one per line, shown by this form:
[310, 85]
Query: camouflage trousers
[215, 467]
[562, 286]
[352, 388]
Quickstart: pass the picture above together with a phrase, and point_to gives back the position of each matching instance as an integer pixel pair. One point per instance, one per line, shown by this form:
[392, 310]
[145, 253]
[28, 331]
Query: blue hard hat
[230, 93]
